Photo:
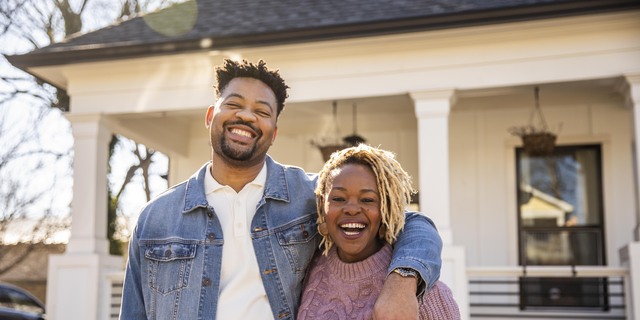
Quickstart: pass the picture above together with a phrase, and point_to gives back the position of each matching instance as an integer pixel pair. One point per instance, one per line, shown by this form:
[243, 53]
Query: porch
[496, 292]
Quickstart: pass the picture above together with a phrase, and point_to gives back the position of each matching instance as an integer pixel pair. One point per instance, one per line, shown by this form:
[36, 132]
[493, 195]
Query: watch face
[406, 272]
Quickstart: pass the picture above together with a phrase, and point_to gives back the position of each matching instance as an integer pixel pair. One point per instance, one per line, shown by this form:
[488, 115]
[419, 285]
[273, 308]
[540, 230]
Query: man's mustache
[244, 123]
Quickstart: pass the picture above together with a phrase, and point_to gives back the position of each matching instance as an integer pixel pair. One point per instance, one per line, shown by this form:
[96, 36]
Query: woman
[361, 195]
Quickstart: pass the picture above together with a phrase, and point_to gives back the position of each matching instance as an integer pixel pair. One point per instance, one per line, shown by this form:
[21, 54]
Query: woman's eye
[337, 199]
[368, 200]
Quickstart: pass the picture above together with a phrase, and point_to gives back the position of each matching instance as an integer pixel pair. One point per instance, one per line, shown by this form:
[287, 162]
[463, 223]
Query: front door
[561, 222]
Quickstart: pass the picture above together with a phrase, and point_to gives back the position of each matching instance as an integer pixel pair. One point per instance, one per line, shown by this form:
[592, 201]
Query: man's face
[243, 122]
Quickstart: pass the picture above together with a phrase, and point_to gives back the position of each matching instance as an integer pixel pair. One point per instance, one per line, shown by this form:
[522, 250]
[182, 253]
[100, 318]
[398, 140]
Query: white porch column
[632, 94]
[630, 254]
[432, 110]
[76, 286]
[630, 258]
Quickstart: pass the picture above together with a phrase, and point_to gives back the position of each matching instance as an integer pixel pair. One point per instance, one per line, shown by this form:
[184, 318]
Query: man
[234, 241]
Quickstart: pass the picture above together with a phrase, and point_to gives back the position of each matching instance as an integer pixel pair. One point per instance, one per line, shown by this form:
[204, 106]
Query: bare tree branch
[27, 206]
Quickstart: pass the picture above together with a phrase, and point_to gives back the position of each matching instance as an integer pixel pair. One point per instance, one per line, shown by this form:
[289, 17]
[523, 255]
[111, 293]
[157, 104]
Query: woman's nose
[352, 207]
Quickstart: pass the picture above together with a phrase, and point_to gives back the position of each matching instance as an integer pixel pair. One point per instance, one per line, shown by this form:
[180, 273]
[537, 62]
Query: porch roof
[227, 24]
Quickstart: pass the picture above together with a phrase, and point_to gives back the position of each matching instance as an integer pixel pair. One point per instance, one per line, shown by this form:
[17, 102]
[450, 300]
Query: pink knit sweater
[337, 290]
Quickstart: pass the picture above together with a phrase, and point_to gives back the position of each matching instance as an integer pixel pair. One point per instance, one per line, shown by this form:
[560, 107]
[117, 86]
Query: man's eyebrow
[237, 95]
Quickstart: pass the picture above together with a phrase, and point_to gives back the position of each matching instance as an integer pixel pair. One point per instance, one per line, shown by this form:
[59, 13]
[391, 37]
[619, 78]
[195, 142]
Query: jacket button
[211, 236]
[305, 234]
[206, 282]
[210, 214]
[167, 253]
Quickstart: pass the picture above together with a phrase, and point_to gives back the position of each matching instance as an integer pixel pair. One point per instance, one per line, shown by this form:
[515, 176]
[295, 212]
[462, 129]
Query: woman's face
[352, 209]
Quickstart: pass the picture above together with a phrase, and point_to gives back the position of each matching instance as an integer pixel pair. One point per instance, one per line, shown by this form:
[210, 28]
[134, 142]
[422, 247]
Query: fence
[496, 292]
[548, 292]
[115, 298]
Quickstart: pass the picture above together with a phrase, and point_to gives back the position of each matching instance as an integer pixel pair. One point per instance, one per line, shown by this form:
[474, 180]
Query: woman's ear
[382, 232]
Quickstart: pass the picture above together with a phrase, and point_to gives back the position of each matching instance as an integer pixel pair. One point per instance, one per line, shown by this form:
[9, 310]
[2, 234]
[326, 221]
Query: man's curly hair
[243, 69]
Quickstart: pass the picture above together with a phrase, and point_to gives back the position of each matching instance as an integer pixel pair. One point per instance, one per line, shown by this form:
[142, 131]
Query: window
[561, 222]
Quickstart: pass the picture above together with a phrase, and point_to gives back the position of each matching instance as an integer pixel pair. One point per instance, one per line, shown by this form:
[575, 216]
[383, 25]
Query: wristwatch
[406, 272]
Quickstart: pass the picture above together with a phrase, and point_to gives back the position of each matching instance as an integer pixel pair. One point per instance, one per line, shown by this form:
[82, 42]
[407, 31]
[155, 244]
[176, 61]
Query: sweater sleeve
[439, 303]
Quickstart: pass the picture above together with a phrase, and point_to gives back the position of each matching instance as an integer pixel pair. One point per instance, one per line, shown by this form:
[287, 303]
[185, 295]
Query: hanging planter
[538, 143]
[537, 139]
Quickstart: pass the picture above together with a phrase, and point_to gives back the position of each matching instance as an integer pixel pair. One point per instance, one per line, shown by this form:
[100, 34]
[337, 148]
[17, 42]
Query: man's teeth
[241, 132]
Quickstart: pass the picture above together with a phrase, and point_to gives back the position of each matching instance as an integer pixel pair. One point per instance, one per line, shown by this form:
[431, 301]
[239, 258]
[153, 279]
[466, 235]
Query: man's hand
[397, 301]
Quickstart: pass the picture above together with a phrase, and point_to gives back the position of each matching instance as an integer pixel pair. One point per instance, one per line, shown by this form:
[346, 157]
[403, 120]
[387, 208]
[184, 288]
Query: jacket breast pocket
[297, 239]
[169, 264]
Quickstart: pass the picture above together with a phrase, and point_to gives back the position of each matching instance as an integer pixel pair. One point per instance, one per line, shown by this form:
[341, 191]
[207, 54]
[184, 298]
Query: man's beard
[234, 154]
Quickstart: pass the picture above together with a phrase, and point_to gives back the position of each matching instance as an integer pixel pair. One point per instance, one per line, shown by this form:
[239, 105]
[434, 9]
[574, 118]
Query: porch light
[332, 143]
[354, 139]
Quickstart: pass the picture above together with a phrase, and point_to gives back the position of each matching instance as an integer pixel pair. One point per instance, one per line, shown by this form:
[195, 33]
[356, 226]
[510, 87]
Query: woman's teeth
[352, 228]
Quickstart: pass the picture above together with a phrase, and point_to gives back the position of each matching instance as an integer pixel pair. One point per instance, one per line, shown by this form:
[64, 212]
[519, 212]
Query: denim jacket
[173, 270]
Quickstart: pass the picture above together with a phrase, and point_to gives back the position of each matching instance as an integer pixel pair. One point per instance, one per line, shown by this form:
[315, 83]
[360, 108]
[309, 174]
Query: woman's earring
[382, 232]
[322, 228]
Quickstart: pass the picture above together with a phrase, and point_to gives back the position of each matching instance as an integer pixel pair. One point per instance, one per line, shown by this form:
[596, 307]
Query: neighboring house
[439, 83]
[31, 272]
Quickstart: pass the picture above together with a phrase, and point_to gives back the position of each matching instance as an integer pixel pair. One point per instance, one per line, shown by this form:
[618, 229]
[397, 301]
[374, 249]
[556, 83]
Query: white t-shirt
[242, 294]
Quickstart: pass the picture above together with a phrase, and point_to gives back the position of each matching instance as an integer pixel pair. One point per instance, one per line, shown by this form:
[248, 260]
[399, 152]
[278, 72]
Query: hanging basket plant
[537, 139]
[535, 143]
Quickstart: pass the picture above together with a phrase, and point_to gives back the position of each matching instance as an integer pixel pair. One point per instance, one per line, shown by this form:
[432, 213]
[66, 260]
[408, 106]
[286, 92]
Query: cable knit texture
[338, 290]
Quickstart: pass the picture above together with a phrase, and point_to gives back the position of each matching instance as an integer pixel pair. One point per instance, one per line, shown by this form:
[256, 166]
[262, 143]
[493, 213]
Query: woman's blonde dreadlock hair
[394, 185]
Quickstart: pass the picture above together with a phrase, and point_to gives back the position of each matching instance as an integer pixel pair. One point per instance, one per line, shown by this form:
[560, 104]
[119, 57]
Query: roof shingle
[233, 23]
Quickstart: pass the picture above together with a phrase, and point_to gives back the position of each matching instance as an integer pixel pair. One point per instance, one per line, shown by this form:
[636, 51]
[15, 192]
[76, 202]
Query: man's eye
[264, 114]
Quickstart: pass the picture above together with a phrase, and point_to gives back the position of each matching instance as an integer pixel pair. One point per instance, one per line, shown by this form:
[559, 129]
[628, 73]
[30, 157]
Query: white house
[440, 83]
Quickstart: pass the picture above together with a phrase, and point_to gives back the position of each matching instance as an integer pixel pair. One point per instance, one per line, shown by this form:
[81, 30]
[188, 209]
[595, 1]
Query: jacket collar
[275, 188]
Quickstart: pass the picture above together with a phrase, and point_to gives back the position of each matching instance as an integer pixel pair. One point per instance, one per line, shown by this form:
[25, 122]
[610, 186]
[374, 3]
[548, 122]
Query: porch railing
[558, 292]
[115, 280]
[494, 292]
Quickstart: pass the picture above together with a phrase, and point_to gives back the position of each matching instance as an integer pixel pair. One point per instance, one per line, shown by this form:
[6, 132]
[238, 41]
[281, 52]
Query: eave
[112, 51]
